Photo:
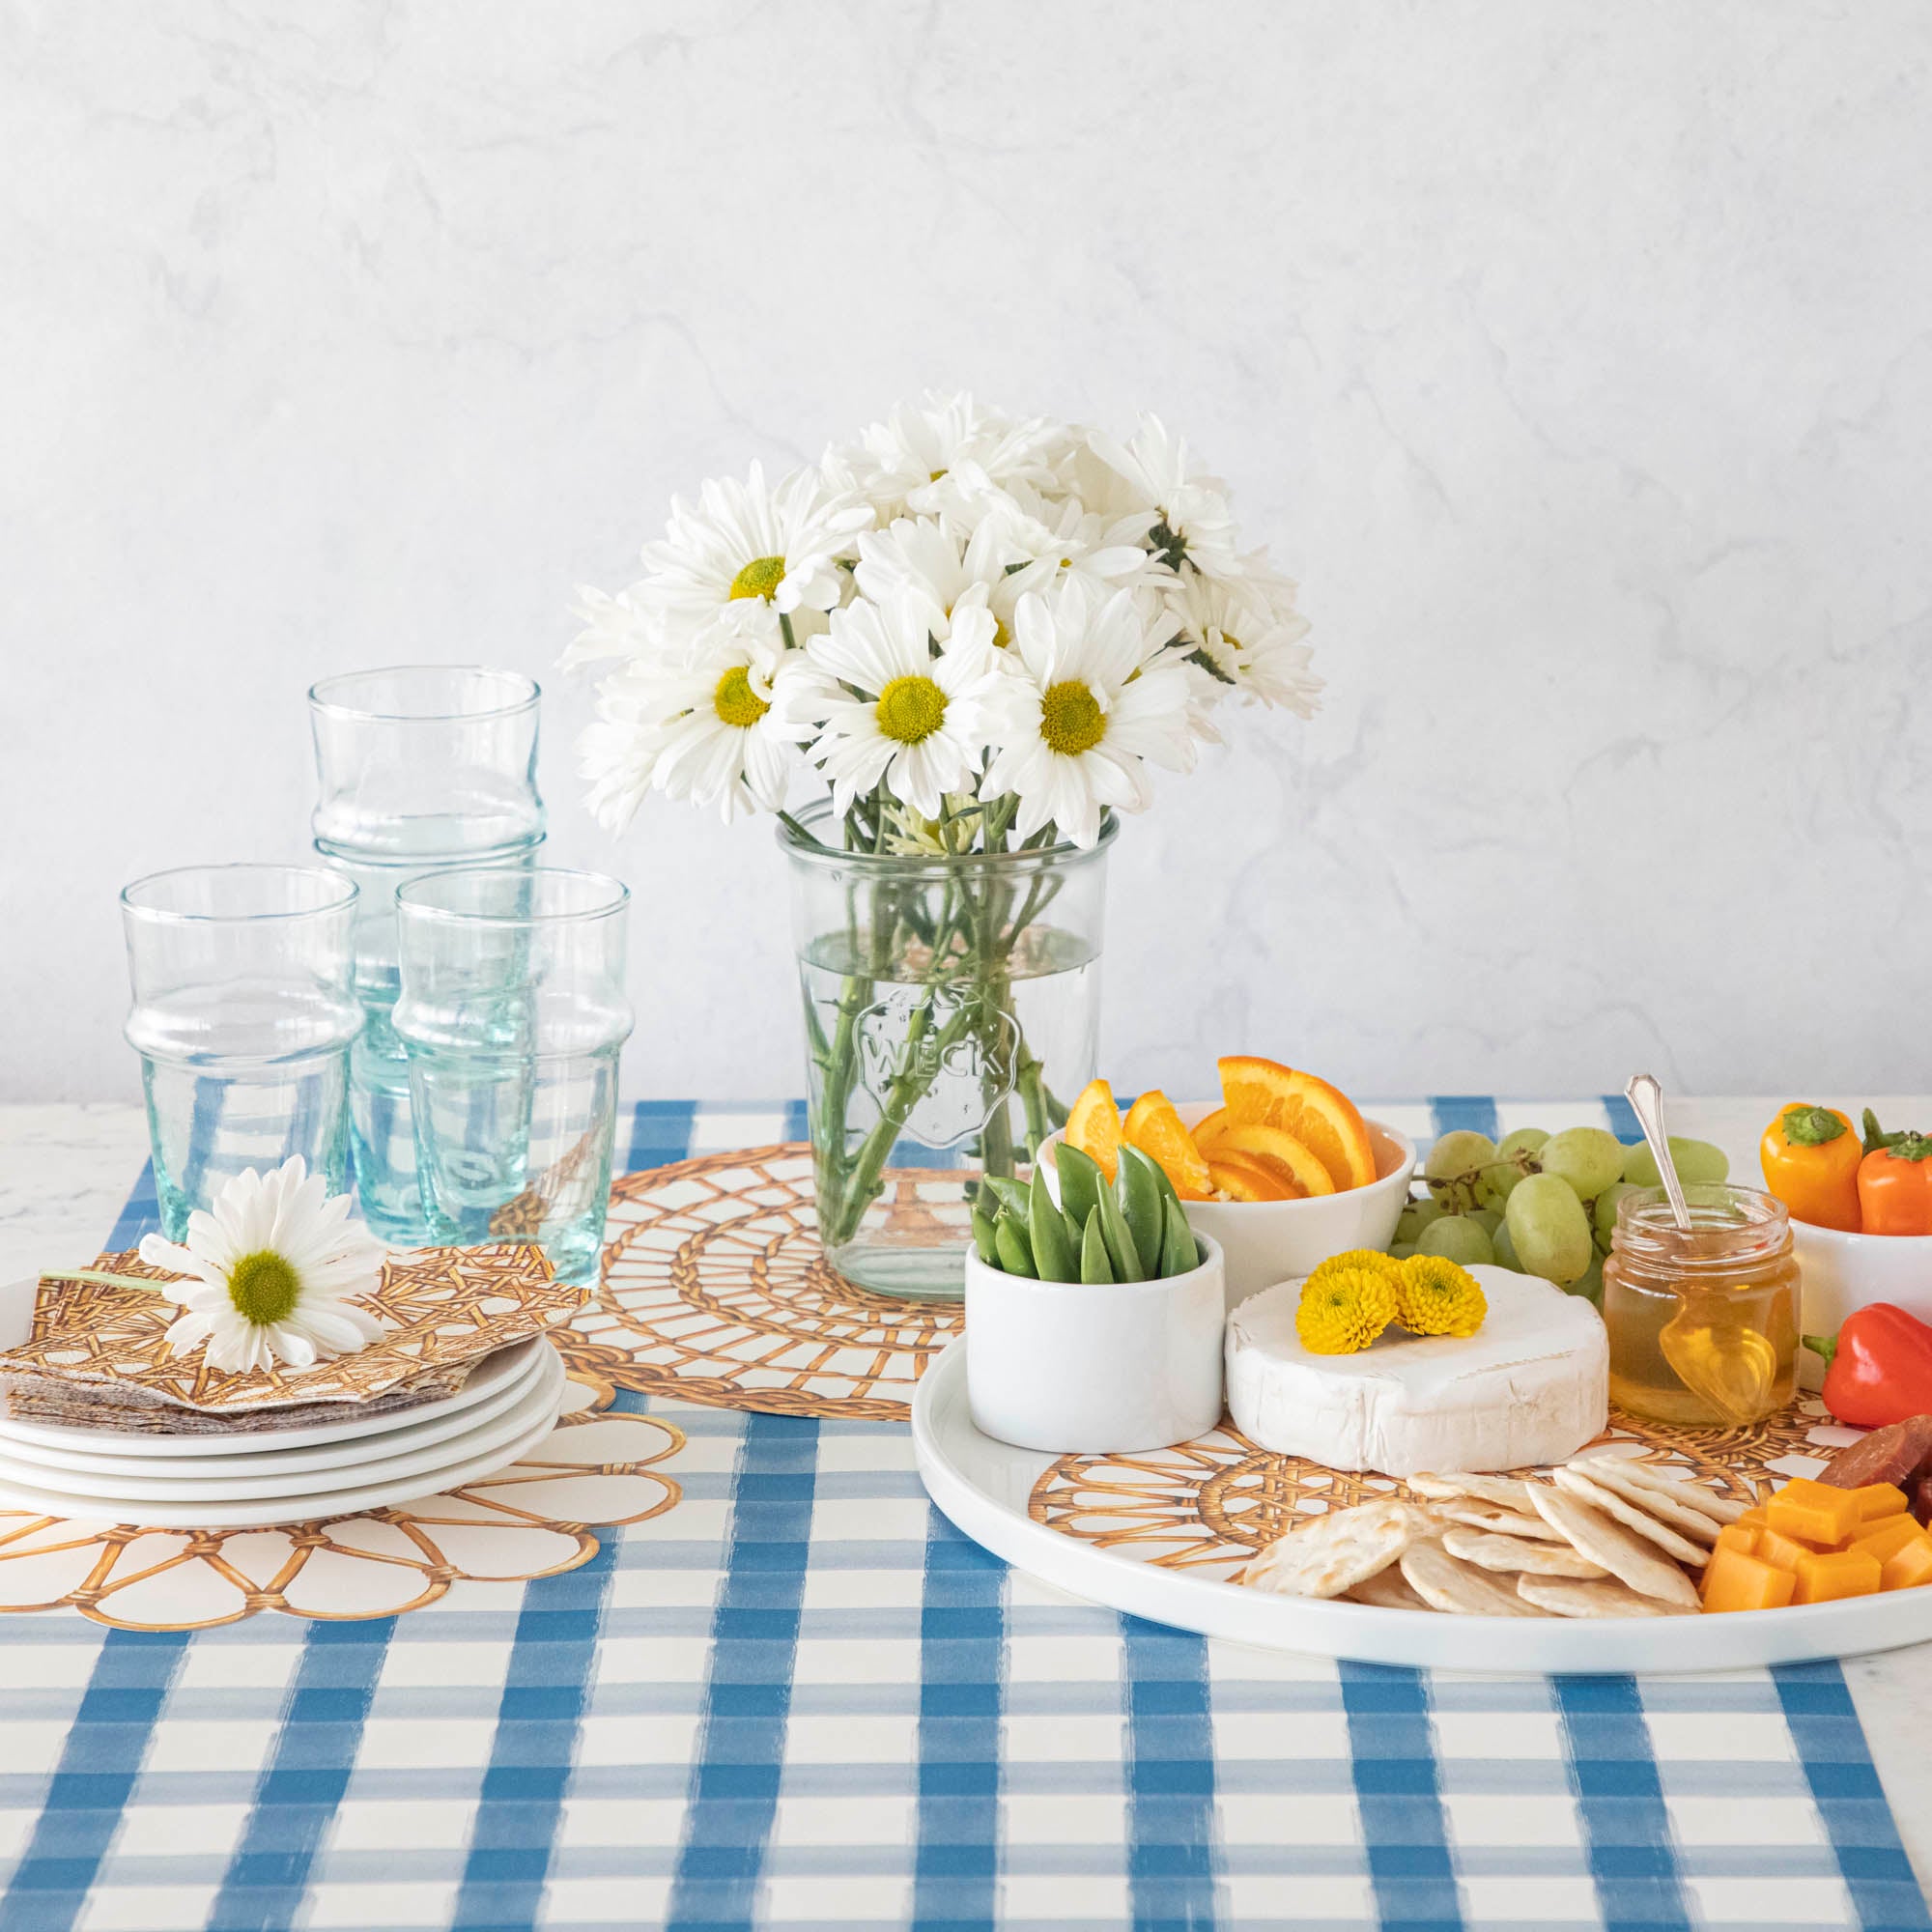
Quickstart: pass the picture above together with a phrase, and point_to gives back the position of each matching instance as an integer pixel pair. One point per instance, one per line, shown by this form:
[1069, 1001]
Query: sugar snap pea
[1080, 1182]
[1010, 1193]
[1120, 1248]
[1054, 1252]
[1014, 1251]
[982, 1239]
[1179, 1253]
[1095, 1267]
[1139, 1188]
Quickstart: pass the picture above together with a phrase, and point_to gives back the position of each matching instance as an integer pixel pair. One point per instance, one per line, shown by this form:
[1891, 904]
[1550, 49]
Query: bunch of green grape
[1539, 1203]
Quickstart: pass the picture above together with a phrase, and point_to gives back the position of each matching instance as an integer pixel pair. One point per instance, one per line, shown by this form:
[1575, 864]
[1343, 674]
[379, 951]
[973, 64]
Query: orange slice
[1093, 1126]
[1265, 1093]
[1277, 1148]
[1207, 1131]
[1155, 1129]
[1241, 1179]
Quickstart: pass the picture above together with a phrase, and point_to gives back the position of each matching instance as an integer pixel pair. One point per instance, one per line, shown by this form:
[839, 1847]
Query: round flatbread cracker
[1459, 1588]
[1621, 1552]
[1331, 1554]
[1691, 1506]
[1510, 1493]
[1388, 1590]
[1488, 1550]
[1504, 1521]
[1605, 1597]
[1638, 1514]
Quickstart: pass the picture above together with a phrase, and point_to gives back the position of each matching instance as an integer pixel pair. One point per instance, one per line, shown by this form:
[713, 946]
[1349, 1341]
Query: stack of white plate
[506, 1408]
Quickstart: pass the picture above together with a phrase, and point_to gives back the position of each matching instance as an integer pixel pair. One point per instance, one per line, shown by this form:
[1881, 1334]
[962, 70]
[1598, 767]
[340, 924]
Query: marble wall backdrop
[1578, 361]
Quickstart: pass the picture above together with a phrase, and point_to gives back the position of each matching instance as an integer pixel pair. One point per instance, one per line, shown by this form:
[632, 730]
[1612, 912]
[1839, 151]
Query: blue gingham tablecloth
[800, 1699]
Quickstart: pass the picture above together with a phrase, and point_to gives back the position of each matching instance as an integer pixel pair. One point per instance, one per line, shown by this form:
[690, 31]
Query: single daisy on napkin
[271, 1267]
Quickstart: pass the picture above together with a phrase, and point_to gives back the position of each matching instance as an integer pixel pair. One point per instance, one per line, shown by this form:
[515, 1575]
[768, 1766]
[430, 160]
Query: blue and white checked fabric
[800, 1699]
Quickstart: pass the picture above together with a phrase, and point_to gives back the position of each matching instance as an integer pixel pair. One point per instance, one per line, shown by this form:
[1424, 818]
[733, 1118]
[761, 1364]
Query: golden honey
[1703, 1327]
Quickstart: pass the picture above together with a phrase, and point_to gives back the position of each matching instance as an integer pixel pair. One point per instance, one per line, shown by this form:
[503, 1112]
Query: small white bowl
[1070, 1367]
[1266, 1242]
[1843, 1273]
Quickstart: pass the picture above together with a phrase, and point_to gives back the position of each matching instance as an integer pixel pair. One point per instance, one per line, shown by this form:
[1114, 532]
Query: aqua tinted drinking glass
[513, 1013]
[421, 767]
[243, 1017]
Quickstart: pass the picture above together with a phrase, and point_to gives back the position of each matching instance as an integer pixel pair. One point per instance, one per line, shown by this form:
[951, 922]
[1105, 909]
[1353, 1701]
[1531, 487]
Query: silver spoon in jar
[1646, 1098]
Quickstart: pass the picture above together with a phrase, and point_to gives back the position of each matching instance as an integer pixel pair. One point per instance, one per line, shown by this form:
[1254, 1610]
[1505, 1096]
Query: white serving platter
[238, 1480]
[538, 1412]
[16, 1317]
[124, 1455]
[983, 1488]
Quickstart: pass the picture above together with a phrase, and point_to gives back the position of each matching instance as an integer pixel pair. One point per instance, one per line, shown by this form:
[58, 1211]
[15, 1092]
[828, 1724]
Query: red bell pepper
[1878, 1368]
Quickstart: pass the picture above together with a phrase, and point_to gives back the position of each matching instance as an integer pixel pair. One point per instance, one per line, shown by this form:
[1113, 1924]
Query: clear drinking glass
[513, 1013]
[244, 1017]
[421, 767]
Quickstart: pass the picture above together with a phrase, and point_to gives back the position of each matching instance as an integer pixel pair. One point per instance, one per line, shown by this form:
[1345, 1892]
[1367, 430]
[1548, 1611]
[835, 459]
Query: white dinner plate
[17, 1318]
[124, 1456]
[262, 1512]
[983, 1487]
[173, 1484]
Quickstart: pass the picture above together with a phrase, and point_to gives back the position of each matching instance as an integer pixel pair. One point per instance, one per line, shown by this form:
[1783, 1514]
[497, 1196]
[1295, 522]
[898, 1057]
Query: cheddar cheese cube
[1739, 1536]
[1814, 1513]
[1827, 1575]
[1887, 1537]
[1755, 1517]
[1880, 1499]
[1735, 1582]
[1909, 1566]
[1780, 1551]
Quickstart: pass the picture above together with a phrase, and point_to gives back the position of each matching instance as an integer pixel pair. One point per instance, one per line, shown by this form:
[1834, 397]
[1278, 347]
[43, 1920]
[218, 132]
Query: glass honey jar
[1703, 1327]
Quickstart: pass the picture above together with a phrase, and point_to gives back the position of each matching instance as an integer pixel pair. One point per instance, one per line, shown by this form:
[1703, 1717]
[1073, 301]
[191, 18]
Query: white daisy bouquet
[981, 633]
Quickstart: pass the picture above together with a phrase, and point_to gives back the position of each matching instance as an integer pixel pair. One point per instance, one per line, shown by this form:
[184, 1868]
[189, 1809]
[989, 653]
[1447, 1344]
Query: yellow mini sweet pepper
[1810, 1158]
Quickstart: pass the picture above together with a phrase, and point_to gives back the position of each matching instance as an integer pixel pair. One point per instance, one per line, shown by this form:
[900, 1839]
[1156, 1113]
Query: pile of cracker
[1602, 1537]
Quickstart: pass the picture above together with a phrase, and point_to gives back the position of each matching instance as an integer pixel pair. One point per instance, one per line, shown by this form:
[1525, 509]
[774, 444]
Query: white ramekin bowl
[1266, 1242]
[1843, 1273]
[1072, 1368]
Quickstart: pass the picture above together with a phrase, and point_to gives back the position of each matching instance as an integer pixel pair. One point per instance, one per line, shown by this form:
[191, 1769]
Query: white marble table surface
[66, 1170]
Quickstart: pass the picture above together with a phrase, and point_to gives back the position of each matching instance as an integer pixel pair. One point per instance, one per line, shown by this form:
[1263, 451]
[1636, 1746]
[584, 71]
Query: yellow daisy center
[1001, 637]
[264, 1288]
[761, 578]
[1070, 718]
[911, 709]
[735, 701]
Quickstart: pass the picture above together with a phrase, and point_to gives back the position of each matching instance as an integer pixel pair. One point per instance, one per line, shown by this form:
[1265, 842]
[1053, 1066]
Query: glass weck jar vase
[951, 1005]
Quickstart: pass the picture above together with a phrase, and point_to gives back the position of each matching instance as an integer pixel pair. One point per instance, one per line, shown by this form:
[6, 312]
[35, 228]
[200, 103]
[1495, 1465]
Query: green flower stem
[101, 1278]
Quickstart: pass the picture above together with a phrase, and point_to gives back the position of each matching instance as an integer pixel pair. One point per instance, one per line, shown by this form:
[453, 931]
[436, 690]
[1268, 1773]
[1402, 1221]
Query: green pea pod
[982, 1239]
[1179, 1252]
[1053, 1246]
[1080, 1182]
[1010, 1193]
[1095, 1267]
[1011, 1242]
[1121, 1249]
[1138, 1185]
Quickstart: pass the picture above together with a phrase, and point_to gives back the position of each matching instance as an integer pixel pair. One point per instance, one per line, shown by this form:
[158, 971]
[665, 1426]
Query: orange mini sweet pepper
[1895, 1187]
[1810, 1158]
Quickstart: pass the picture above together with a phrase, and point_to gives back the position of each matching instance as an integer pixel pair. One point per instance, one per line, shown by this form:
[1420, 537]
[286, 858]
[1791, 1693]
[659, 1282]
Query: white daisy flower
[1066, 543]
[1246, 633]
[1194, 521]
[699, 728]
[930, 560]
[613, 627]
[876, 703]
[749, 555]
[1089, 710]
[909, 460]
[270, 1266]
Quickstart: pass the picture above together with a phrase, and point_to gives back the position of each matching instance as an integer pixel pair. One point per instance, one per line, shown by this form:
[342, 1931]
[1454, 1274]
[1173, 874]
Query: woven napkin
[97, 1355]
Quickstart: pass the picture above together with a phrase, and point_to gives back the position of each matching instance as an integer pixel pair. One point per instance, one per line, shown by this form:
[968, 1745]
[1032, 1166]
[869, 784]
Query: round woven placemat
[1209, 1504]
[716, 1291]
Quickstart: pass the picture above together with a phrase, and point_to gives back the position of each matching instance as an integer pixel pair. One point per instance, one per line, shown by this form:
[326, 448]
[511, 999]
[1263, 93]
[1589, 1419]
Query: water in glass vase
[924, 1074]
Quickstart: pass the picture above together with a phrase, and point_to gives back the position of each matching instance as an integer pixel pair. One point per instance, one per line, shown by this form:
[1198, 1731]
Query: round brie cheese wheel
[1530, 1386]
